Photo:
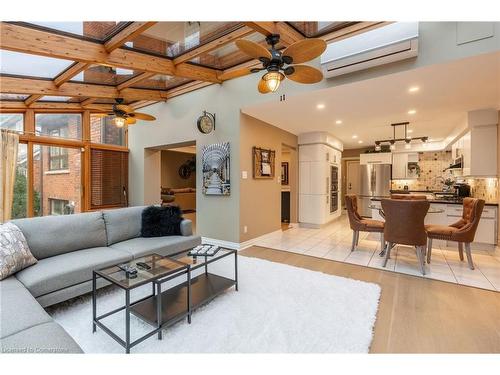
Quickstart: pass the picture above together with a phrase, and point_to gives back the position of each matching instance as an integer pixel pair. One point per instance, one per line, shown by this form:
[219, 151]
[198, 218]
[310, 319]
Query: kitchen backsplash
[432, 176]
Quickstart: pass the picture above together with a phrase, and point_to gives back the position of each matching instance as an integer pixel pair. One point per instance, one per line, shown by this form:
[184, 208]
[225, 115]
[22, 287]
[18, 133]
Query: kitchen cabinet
[319, 195]
[478, 147]
[375, 158]
[402, 163]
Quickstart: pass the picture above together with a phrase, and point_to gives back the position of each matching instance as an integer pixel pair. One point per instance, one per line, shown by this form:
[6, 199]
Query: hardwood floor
[415, 315]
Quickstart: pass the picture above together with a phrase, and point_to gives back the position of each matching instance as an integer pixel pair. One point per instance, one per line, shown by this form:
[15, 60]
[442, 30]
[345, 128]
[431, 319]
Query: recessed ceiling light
[413, 89]
[410, 130]
[338, 122]
[320, 106]
[360, 141]
[412, 111]
[354, 136]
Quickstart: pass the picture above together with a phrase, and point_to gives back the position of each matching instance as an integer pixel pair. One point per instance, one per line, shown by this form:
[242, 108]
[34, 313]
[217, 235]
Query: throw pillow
[161, 221]
[15, 254]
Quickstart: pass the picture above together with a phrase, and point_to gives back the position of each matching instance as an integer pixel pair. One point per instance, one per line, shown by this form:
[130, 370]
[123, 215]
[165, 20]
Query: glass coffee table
[164, 306]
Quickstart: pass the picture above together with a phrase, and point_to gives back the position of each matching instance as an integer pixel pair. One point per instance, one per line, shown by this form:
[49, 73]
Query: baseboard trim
[240, 245]
[222, 243]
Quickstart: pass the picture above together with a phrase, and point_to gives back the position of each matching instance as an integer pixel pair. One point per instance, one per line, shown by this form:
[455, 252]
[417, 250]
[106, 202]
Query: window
[60, 125]
[58, 158]
[108, 178]
[20, 200]
[103, 130]
[12, 121]
[57, 176]
[60, 207]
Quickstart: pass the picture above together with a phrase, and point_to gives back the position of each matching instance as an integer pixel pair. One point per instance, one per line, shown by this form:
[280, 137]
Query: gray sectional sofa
[68, 248]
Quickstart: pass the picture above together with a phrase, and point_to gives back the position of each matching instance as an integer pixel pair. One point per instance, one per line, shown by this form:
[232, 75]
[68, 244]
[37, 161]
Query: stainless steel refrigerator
[375, 182]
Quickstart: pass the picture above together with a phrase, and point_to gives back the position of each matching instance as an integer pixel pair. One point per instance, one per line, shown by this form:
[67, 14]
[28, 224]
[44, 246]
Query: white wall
[218, 217]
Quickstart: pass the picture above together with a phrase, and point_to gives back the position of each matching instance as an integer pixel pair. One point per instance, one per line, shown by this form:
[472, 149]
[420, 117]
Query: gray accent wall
[219, 217]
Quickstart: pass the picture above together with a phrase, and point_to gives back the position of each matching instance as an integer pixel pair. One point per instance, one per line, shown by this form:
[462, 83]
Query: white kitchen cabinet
[375, 158]
[400, 165]
[315, 163]
[478, 146]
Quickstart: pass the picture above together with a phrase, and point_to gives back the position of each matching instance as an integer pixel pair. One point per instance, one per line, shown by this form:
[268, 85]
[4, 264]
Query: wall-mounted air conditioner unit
[387, 44]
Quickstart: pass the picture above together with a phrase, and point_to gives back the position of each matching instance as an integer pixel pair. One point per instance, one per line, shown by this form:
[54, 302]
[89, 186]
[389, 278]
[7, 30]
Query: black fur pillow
[161, 221]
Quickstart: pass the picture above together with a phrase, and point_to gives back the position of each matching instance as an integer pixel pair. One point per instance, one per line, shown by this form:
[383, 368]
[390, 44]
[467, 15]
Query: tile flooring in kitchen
[334, 242]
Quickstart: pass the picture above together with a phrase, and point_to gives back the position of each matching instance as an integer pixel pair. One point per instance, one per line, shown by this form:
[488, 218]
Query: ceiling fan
[278, 63]
[125, 114]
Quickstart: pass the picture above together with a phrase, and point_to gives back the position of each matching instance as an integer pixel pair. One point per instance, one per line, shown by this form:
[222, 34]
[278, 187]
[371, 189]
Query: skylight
[22, 64]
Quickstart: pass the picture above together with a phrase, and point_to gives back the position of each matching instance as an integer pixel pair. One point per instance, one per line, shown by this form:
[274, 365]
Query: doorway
[352, 183]
[288, 193]
[178, 178]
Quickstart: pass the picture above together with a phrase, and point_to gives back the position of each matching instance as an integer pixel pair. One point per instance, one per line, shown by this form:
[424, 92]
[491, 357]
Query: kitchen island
[450, 211]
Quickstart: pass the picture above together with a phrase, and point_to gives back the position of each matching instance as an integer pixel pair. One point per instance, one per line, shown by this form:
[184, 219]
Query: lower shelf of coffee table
[174, 300]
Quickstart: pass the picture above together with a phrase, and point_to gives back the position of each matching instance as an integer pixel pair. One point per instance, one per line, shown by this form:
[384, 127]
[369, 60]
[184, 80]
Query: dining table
[432, 210]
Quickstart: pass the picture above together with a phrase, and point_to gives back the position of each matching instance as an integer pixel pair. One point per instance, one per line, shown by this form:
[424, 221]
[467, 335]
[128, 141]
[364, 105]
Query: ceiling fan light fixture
[273, 80]
[120, 121]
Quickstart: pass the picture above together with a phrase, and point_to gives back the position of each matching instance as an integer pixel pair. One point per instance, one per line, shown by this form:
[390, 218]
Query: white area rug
[278, 309]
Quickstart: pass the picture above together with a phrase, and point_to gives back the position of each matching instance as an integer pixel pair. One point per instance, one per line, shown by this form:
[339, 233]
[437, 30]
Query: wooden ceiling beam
[43, 43]
[265, 28]
[188, 87]
[134, 80]
[87, 101]
[127, 34]
[32, 99]
[239, 70]
[358, 28]
[288, 35]
[69, 73]
[55, 106]
[142, 103]
[43, 87]
[214, 44]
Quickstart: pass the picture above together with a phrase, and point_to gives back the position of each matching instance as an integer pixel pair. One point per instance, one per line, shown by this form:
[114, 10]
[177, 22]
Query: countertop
[445, 201]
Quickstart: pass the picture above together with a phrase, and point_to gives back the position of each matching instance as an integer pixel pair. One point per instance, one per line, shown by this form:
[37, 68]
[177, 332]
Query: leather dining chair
[404, 225]
[358, 224]
[463, 231]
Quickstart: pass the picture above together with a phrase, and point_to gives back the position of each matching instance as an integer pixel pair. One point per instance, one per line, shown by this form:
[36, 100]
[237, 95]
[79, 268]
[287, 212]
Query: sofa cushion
[51, 274]
[123, 223]
[15, 254]
[141, 246]
[19, 310]
[48, 338]
[48, 236]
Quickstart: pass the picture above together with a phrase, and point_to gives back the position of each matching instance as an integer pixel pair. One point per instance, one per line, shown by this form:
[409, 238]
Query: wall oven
[334, 188]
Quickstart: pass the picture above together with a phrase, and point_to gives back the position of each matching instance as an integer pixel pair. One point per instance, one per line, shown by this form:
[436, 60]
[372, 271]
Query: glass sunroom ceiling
[161, 82]
[23, 64]
[318, 28]
[174, 38]
[89, 29]
[105, 75]
[13, 96]
[56, 98]
[229, 55]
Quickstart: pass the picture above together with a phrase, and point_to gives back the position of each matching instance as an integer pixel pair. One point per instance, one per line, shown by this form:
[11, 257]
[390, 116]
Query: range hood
[457, 164]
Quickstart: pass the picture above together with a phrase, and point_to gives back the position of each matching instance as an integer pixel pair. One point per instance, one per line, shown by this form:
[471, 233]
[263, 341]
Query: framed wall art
[216, 169]
[263, 163]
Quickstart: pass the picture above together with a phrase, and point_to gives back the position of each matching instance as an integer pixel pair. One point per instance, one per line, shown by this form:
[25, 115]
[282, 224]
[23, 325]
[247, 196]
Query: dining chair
[404, 225]
[462, 232]
[358, 224]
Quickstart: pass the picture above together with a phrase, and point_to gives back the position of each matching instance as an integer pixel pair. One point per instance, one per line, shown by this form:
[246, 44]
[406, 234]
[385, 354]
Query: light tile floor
[334, 242]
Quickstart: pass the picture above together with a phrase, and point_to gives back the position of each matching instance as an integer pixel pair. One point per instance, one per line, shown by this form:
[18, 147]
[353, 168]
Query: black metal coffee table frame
[96, 320]
[154, 308]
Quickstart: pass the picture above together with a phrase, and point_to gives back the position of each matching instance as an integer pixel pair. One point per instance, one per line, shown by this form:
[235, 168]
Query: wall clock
[206, 122]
